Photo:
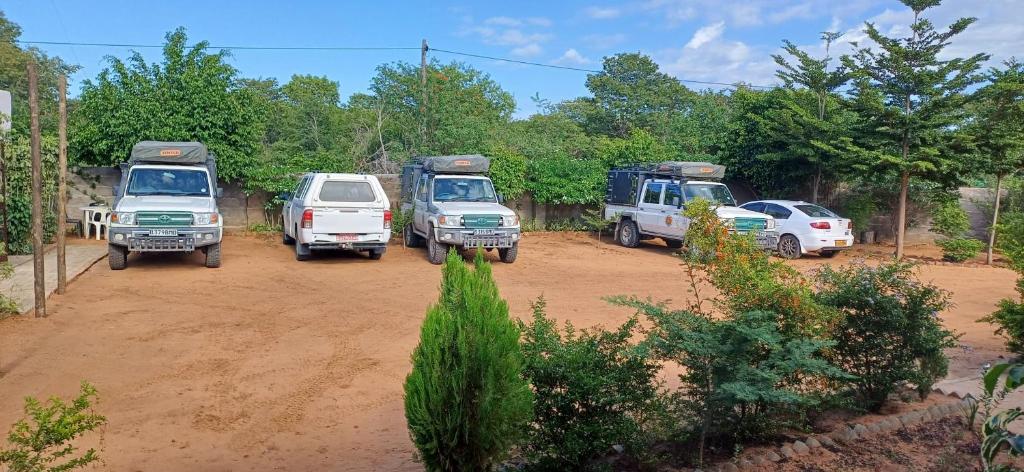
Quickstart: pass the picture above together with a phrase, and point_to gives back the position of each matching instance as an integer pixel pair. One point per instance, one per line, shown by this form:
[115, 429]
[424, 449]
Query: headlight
[205, 218]
[729, 222]
[450, 220]
[122, 217]
[510, 220]
[770, 224]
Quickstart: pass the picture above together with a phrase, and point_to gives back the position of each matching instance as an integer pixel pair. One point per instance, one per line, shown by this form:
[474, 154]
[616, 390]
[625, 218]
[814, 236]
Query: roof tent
[465, 164]
[163, 152]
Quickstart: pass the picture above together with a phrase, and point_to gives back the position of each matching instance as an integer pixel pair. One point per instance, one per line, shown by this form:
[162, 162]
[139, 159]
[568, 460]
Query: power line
[212, 46]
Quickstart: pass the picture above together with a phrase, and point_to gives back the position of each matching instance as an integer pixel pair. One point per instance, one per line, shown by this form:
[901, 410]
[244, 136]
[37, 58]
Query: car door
[421, 204]
[650, 216]
[782, 216]
[672, 211]
[753, 206]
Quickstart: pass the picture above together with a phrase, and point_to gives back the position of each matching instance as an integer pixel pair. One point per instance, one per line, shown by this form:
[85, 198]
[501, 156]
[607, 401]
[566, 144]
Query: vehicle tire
[789, 247]
[828, 254]
[673, 243]
[302, 252]
[376, 254]
[436, 252]
[410, 238]
[629, 235]
[287, 240]
[117, 256]
[212, 255]
[508, 254]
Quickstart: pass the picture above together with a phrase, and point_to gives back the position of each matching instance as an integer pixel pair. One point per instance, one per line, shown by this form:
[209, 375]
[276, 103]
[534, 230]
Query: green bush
[592, 390]
[566, 180]
[508, 172]
[467, 401]
[860, 210]
[960, 249]
[1010, 238]
[889, 333]
[1010, 321]
[950, 220]
[43, 442]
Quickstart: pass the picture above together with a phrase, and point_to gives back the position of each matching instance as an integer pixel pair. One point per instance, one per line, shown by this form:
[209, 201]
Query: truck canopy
[465, 164]
[691, 170]
[164, 152]
[624, 183]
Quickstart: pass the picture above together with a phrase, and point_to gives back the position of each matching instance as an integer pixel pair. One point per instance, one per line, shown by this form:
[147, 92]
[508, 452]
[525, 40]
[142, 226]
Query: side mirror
[501, 198]
[220, 192]
[284, 196]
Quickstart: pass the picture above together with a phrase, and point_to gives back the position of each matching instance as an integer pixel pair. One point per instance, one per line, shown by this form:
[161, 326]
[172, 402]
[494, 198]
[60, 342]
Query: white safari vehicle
[647, 202]
[337, 211]
[806, 227]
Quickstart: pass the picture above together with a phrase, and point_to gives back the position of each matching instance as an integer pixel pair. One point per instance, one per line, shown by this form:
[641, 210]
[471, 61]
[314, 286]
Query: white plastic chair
[100, 221]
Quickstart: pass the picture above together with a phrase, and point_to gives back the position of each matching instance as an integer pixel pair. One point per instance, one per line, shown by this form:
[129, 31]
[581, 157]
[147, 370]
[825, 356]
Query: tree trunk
[816, 185]
[995, 220]
[901, 214]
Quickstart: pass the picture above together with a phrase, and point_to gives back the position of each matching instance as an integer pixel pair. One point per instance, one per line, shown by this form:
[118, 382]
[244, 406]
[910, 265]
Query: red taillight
[387, 219]
[849, 224]
[307, 219]
[821, 225]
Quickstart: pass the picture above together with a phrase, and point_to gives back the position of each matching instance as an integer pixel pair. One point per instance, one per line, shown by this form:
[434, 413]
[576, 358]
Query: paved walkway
[80, 256]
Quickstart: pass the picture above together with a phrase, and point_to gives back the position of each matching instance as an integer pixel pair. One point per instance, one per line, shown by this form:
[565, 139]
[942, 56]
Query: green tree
[191, 95]
[910, 98]
[14, 78]
[810, 123]
[467, 401]
[44, 442]
[998, 130]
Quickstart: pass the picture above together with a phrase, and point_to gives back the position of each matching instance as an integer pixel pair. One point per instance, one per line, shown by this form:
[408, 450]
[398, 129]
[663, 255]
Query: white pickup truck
[337, 211]
[647, 202]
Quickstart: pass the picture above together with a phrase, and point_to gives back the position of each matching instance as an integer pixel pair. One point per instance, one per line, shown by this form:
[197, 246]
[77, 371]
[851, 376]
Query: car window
[776, 211]
[421, 191]
[653, 193]
[346, 191]
[815, 211]
[300, 193]
[453, 189]
[673, 195]
[714, 193]
[756, 206]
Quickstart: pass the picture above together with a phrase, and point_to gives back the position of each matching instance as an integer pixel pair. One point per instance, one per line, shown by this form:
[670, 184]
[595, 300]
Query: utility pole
[62, 188]
[37, 198]
[423, 86]
[5, 128]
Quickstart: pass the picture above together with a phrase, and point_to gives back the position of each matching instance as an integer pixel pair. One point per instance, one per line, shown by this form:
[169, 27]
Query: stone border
[846, 435]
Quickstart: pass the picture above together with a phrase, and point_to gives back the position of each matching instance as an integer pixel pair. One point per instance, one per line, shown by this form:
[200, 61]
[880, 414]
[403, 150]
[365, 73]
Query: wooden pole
[423, 87]
[37, 197]
[62, 188]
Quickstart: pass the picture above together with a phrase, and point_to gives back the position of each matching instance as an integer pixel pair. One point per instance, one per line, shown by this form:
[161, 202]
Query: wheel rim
[627, 234]
[789, 247]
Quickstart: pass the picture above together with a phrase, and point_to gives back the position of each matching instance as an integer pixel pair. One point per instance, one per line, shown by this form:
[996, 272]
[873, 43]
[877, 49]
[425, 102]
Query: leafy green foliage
[998, 124]
[466, 400]
[1009, 318]
[43, 441]
[960, 249]
[889, 332]
[950, 220]
[995, 433]
[860, 209]
[508, 172]
[563, 179]
[14, 78]
[593, 389]
[1010, 321]
[7, 305]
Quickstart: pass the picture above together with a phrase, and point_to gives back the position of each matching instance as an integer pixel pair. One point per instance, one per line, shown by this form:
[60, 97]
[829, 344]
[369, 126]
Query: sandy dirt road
[273, 364]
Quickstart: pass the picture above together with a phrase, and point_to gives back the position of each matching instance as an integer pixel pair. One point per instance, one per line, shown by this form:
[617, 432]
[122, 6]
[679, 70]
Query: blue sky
[710, 40]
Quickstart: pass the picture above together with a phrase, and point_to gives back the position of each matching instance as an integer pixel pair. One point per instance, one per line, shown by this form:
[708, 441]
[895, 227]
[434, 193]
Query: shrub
[7, 305]
[860, 209]
[960, 249]
[593, 389]
[1010, 321]
[889, 332]
[1010, 316]
[950, 220]
[1010, 239]
[508, 172]
[466, 400]
[42, 443]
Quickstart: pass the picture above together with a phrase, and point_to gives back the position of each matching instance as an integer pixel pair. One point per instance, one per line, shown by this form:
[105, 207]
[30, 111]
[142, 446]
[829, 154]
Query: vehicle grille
[750, 224]
[166, 218]
[481, 221]
[156, 244]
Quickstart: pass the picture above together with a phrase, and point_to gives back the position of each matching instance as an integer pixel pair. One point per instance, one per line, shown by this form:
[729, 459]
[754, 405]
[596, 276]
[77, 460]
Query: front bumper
[183, 239]
[766, 239]
[485, 238]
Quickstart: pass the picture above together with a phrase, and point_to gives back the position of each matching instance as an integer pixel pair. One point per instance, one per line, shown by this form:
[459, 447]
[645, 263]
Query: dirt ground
[273, 364]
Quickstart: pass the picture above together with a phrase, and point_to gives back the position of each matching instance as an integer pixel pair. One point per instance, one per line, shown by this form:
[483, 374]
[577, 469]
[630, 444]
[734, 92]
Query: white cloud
[572, 57]
[705, 35]
[602, 13]
[523, 36]
[604, 41]
[502, 21]
[528, 50]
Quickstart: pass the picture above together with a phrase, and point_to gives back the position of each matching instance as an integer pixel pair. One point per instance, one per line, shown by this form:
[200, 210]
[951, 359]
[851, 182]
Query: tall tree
[998, 129]
[810, 123]
[917, 97]
[191, 95]
[14, 79]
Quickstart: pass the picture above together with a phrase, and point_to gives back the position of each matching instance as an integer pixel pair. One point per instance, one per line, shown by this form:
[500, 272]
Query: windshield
[177, 182]
[712, 192]
[816, 211]
[463, 190]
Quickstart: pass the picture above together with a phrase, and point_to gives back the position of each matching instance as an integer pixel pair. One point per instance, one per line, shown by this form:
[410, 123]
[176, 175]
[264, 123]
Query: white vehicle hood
[167, 203]
[471, 208]
[737, 212]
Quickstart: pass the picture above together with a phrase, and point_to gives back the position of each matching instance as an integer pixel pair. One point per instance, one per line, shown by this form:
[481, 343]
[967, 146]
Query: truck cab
[647, 202]
[452, 202]
[166, 202]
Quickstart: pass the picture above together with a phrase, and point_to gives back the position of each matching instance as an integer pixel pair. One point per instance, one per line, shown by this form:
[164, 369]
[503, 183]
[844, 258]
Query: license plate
[163, 232]
[840, 242]
[347, 237]
[483, 232]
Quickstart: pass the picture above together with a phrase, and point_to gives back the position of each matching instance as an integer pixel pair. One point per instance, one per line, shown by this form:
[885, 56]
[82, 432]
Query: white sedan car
[805, 227]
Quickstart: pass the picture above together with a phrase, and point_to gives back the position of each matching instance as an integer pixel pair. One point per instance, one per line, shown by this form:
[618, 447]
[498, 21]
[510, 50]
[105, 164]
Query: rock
[729, 467]
[874, 428]
[935, 411]
[760, 461]
[771, 456]
[787, 452]
[746, 465]
[908, 419]
[813, 443]
[800, 448]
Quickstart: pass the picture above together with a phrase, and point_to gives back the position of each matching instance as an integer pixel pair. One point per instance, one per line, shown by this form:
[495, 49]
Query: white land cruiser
[648, 201]
[337, 211]
[166, 202]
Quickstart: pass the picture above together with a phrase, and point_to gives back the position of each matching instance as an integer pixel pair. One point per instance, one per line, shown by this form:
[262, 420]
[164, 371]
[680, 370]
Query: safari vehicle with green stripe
[166, 202]
[452, 202]
[647, 202]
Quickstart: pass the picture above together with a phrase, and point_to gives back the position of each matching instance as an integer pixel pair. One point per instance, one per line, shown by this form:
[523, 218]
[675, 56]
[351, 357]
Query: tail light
[307, 219]
[849, 224]
[387, 219]
[821, 225]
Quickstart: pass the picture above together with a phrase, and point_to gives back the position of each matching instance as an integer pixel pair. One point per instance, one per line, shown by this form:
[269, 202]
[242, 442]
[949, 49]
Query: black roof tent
[464, 164]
